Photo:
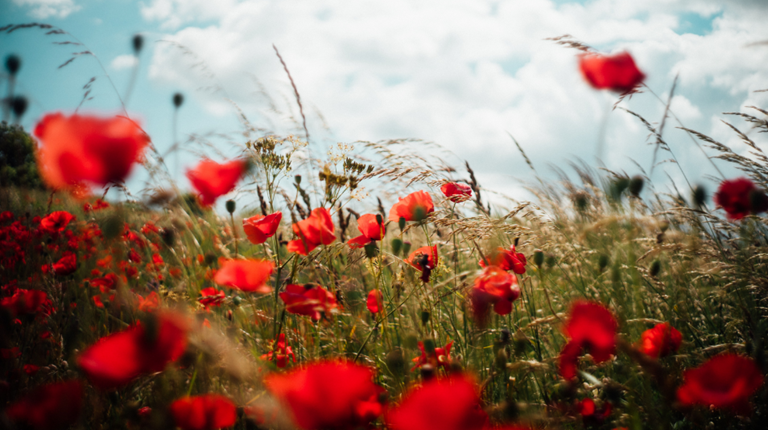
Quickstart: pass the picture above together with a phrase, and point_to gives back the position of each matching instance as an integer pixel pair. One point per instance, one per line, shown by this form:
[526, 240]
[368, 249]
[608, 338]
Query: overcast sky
[460, 73]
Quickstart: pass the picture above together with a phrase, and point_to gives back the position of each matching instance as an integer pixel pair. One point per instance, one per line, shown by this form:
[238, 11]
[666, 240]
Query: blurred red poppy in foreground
[592, 327]
[203, 412]
[49, 407]
[81, 148]
[615, 72]
[375, 301]
[56, 222]
[24, 302]
[456, 192]
[740, 197]
[507, 259]
[117, 359]
[283, 352]
[724, 381]
[309, 300]
[371, 230]
[329, 395]
[494, 287]
[440, 357]
[414, 207]
[212, 180]
[440, 404]
[315, 230]
[246, 275]
[259, 228]
[660, 341]
[425, 260]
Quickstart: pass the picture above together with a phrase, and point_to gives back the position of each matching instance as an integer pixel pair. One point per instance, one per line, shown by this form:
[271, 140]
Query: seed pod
[12, 64]
[138, 43]
[636, 185]
[178, 100]
[230, 205]
[297, 179]
[699, 196]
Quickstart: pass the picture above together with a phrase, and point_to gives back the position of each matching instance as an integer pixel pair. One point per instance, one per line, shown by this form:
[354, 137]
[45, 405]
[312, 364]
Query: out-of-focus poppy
[97, 205]
[212, 180]
[456, 192]
[283, 352]
[660, 341]
[740, 197]
[613, 72]
[66, 265]
[117, 359]
[440, 357]
[49, 407]
[494, 287]
[591, 414]
[725, 381]
[246, 275]
[149, 303]
[211, 297]
[315, 230]
[444, 404]
[424, 259]
[507, 259]
[413, 207]
[309, 300]
[24, 302]
[375, 301]
[81, 148]
[590, 326]
[329, 394]
[203, 412]
[259, 228]
[56, 222]
[371, 231]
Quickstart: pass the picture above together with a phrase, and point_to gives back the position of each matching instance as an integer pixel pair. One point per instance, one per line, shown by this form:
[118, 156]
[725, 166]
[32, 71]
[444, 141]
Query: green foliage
[17, 158]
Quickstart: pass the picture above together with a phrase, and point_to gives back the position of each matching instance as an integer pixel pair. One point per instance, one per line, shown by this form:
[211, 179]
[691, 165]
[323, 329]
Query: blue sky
[460, 73]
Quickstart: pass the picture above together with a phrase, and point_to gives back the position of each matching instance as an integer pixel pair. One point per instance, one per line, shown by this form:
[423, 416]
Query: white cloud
[123, 62]
[43, 9]
[464, 72]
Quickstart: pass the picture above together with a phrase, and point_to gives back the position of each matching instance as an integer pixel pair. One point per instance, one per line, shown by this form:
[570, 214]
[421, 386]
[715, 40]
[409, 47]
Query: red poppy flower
[725, 381]
[89, 149]
[375, 301]
[117, 359]
[456, 192]
[150, 303]
[315, 230]
[494, 287]
[49, 407]
[212, 180]
[105, 283]
[309, 300]
[445, 404]
[617, 72]
[328, 394]
[245, 275]
[591, 414]
[56, 222]
[371, 231]
[65, 266]
[740, 197]
[440, 357]
[660, 341]
[590, 326]
[97, 205]
[24, 302]
[203, 412]
[97, 301]
[211, 297]
[283, 352]
[259, 228]
[507, 259]
[424, 259]
[414, 207]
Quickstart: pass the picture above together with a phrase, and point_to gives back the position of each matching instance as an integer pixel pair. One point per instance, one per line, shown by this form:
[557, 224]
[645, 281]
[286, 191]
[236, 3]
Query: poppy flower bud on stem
[138, 43]
[371, 250]
[538, 257]
[406, 248]
[655, 268]
[699, 196]
[401, 223]
[297, 179]
[397, 245]
[424, 321]
[636, 185]
[178, 100]
[12, 64]
[602, 262]
[19, 106]
[230, 205]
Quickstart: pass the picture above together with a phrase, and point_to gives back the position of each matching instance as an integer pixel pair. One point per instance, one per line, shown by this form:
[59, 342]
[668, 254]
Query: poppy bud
[397, 245]
[210, 259]
[19, 106]
[505, 336]
[501, 359]
[138, 43]
[297, 179]
[419, 213]
[758, 201]
[237, 300]
[602, 262]
[655, 268]
[581, 201]
[406, 247]
[12, 64]
[699, 195]
[618, 187]
[230, 205]
[551, 260]
[379, 219]
[168, 234]
[371, 250]
[636, 185]
[427, 372]
[538, 257]
[664, 225]
[178, 100]
[395, 361]
[425, 319]
[401, 223]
